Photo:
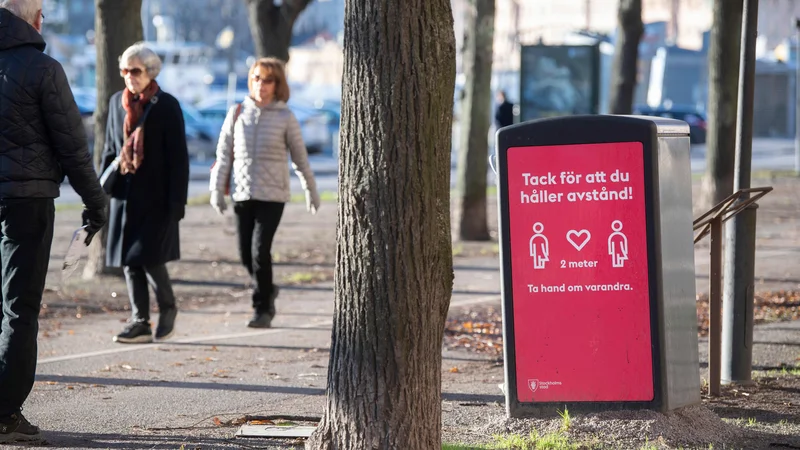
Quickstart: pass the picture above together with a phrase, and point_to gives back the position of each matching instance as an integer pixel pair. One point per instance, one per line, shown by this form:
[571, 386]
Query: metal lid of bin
[667, 126]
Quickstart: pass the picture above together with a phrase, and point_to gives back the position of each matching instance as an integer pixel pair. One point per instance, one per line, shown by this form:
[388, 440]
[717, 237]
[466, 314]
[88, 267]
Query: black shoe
[274, 295]
[166, 324]
[135, 333]
[16, 428]
[260, 320]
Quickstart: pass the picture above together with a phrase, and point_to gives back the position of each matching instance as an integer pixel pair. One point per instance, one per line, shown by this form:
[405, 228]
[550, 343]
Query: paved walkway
[93, 393]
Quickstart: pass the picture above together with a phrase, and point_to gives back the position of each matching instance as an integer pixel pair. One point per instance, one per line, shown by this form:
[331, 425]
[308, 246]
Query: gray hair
[24, 9]
[151, 61]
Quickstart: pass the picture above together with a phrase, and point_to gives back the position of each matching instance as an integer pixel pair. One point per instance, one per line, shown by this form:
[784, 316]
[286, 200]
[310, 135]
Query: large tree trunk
[394, 266]
[114, 32]
[476, 119]
[271, 25]
[626, 56]
[723, 100]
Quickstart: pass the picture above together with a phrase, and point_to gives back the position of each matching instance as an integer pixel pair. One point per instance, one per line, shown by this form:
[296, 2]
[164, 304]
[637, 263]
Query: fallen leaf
[261, 422]
[454, 370]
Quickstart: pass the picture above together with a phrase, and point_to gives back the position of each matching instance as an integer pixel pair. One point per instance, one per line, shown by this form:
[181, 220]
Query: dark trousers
[138, 278]
[256, 223]
[26, 232]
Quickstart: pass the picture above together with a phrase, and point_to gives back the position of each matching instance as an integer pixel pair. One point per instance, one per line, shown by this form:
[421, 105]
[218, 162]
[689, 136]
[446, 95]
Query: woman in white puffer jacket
[255, 142]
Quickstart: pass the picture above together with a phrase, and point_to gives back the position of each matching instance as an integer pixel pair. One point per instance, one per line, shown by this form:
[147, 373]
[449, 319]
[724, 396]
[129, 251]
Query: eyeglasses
[135, 71]
[267, 79]
[42, 16]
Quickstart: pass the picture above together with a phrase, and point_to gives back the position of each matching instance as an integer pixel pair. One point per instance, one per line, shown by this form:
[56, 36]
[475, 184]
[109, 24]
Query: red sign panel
[580, 276]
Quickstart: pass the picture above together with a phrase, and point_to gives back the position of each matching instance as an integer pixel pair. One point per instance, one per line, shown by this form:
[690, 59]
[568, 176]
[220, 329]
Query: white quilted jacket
[261, 140]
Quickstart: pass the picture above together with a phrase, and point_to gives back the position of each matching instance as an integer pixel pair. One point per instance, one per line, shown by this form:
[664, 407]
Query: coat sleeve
[110, 150]
[299, 153]
[68, 138]
[178, 156]
[221, 171]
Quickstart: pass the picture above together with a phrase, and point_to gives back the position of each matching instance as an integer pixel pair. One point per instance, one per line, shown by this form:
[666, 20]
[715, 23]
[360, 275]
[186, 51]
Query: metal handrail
[724, 209]
[711, 223]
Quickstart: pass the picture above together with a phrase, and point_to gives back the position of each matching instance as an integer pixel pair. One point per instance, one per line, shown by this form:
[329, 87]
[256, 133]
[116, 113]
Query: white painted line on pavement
[134, 347]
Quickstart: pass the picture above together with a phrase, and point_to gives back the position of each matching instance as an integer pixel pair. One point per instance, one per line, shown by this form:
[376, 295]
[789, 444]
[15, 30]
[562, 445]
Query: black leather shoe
[260, 320]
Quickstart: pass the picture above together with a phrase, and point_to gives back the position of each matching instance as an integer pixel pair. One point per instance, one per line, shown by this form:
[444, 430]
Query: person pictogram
[539, 247]
[617, 245]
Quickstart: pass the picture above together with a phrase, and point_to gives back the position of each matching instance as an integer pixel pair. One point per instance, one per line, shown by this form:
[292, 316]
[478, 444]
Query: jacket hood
[248, 101]
[15, 32]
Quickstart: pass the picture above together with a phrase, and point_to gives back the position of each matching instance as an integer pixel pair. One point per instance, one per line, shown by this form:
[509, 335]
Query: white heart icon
[578, 239]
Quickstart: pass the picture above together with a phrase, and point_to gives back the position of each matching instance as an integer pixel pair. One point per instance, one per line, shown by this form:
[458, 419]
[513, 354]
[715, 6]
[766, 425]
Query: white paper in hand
[76, 249]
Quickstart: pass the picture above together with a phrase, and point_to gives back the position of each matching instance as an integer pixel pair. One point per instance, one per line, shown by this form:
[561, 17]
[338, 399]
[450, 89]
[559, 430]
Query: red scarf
[132, 153]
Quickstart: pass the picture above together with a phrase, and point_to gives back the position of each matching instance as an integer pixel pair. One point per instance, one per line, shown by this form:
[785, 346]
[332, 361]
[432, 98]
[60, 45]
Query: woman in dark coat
[148, 198]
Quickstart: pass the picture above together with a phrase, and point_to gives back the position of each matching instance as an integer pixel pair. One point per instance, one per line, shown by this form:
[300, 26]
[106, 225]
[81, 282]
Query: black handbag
[109, 176]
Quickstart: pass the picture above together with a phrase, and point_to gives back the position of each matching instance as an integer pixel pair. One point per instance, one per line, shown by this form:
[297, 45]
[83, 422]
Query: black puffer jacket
[41, 134]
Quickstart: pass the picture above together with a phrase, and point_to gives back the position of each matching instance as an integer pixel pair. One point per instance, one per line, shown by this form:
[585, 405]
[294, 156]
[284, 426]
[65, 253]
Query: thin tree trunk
[626, 56]
[723, 100]
[394, 273]
[476, 120]
[271, 25]
[114, 32]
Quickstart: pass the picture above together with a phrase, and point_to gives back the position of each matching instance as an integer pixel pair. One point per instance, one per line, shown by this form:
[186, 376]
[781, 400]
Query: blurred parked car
[696, 120]
[320, 126]
[201, 136]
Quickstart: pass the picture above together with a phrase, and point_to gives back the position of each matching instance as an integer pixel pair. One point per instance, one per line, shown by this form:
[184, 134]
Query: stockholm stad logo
[533, 385]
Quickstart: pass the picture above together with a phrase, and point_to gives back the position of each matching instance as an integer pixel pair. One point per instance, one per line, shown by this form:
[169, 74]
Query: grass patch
[549, 441]
[764, 174]
[772, 174]
[202, 199]
[446, 446]
[566, 420]
[60, 207]
[324, 196]
[307, 277]
[786, 371]
[534, 441]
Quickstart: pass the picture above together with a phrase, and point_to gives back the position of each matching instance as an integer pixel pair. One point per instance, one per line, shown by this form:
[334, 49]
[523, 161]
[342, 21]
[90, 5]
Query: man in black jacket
[504, 114]
[41, 140]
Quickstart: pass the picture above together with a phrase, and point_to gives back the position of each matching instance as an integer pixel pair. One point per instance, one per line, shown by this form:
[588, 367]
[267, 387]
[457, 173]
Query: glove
[177, 211]
[93, 220]
[218, 202]
[312, 201]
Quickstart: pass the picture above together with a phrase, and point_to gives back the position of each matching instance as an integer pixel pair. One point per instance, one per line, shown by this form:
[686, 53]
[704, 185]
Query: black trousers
[26, 233]
[137, 279]
[256, 223]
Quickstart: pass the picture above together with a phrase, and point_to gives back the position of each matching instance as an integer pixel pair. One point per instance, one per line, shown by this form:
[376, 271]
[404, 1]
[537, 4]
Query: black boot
[166, 324]
[260, 320]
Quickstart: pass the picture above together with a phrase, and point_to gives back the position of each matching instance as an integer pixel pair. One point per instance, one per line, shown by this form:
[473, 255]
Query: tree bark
[723, 101]
[626, 56]
[476, 119]
[394, 263]
[271, 25]
[114, 32]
